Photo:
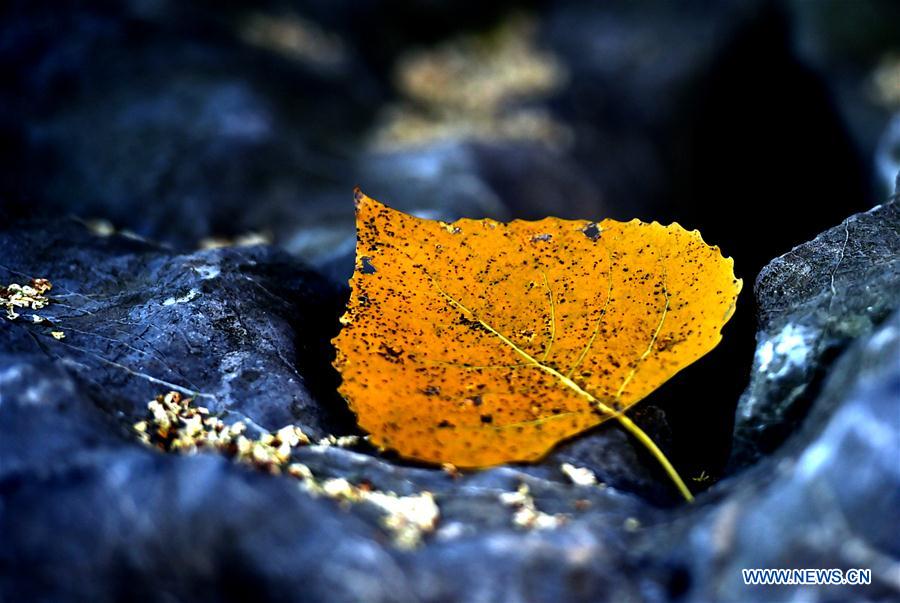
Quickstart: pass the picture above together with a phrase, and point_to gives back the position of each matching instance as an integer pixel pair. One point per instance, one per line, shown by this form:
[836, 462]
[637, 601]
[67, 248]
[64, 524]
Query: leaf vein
[590, 343]
[598, 405]
[653, 338]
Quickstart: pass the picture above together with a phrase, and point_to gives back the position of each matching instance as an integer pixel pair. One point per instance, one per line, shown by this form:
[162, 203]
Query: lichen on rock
[175, 424]
[33, 296]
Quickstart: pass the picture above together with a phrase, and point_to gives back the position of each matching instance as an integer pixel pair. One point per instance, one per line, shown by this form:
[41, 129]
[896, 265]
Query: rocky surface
[245, 330]
[180, 122]
[825, 500]
[183, 123]
[240, 328]
[140, 319]
[813, 302]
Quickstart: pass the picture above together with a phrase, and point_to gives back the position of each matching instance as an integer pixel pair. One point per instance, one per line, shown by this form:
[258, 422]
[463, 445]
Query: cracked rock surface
[235, 326]
[813, 302]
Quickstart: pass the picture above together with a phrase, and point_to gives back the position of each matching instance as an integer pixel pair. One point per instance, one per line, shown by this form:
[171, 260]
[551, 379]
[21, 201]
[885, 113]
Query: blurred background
[195, 124]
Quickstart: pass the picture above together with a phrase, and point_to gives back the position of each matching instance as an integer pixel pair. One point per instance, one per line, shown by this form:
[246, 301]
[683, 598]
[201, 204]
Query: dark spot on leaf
[367, 267]
[591, 231]
[390, 354]
[472, 324]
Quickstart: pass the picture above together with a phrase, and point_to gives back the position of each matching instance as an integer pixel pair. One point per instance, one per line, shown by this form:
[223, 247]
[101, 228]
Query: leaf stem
[598, 404]
[658, 454]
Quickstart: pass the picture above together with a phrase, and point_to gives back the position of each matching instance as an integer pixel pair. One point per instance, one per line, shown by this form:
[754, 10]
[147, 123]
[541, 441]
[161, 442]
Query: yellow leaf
[478, 343]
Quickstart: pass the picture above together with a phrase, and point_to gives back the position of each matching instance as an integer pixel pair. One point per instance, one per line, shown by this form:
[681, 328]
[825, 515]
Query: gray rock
[45, 418]
[166, 119]
[129, 522]
[176, 122]
[813, 302]
[87, 513]
[829, 499]
[246, 330]
[141, 526]
[141, 319]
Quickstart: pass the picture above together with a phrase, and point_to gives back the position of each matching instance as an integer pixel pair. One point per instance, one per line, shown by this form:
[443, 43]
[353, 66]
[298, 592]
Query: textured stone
[245, 329]
[169, 119]
[88, 513]
[141, 526]
[814, 301]
[827, 499]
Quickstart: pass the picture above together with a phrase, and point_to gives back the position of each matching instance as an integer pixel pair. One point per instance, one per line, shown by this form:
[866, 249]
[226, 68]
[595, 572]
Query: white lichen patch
[787, 350]
[526, 514]
[176, 425]
[338, 441]
[207, 271]
[101, 228]
[186, 298]
[407, 518]
[33, 296]
[580, 476]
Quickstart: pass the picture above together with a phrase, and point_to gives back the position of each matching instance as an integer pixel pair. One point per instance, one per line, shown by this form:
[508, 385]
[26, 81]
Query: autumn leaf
[477, 343]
